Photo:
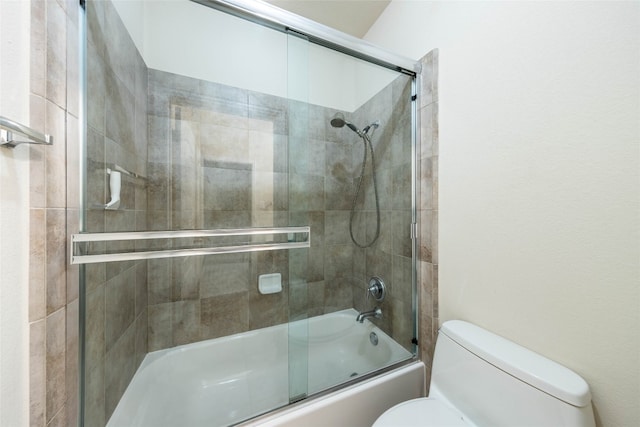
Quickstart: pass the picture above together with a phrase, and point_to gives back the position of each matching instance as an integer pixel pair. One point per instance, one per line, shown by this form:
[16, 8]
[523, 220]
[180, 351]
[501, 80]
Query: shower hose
[367, 144]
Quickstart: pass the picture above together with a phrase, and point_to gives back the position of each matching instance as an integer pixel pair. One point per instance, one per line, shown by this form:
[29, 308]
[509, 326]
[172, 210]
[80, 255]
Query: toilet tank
[495, 382]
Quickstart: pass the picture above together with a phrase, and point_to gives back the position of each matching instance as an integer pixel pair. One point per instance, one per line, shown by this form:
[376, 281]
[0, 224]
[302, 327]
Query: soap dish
[270, 283]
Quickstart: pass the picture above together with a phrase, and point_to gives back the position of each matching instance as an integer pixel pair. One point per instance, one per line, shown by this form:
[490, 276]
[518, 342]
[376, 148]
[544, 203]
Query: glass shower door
[241, 141]
[301, 200]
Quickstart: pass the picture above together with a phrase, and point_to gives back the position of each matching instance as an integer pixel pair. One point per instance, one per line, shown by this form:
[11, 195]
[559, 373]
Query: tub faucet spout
[376, 312]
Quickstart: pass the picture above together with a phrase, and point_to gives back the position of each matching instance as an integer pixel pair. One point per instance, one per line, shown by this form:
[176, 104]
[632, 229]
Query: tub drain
[373, 338]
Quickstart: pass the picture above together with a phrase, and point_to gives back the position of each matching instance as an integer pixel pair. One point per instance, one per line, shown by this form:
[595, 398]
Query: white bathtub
[227, 380]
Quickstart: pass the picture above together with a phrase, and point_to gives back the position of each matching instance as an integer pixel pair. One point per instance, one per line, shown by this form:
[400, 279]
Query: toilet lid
[420, 412]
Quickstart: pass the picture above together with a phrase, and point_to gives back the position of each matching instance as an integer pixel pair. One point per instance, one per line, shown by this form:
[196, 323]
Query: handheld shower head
[338, 121]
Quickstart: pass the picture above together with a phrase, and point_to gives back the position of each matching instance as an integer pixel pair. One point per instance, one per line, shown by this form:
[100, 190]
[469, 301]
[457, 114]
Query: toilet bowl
[481, 379]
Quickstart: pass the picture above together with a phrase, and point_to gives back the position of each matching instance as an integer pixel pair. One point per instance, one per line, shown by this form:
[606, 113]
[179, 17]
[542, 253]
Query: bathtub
[228, 380]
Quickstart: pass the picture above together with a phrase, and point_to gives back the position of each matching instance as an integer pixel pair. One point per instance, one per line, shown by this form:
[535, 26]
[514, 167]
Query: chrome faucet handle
[376, 288]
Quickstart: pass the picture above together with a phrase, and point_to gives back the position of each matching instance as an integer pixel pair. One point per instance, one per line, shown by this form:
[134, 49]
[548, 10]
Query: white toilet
[481, 379]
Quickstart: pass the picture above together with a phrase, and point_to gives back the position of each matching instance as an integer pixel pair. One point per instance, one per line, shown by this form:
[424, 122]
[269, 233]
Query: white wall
[539, 223]
[182, 37]
[14, 218]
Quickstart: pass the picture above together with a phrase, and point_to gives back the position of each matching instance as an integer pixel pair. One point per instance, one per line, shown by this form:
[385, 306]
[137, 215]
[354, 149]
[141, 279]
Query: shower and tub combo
[178, 386]
[260, 265]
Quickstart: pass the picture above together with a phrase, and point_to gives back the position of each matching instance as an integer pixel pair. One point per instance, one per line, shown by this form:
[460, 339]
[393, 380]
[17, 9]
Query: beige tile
[37, 289]
[186, 273]
[309, 264]
[360, 301]
[425, 288]
[267, 310]
[426, 183]
[402, 286]
[307, 193]
[434, 237]
[434, 78]
[186, 322]
[426, 80]
[379, 264]
[226, 187]
[315, 294]
[384, 242]
[73, 271]
[119, 47]
[37, 372]
[159, 281]
[142, 334]
[73, 61]
[225, 274]
[305, 300]
[160, 332]
[119, 306]
[359, 265]
[71, 363]
[55, 362]
[435, 132]
[56, 54]
[95, 327]
[56, 259]
[119, 369]
[37, 186]
[425, 340]
[384, 182]
[338, 294]
[96, 84]
[96, 25]
[55, 157]
[434, 290]
[402, 187]
[336, 227]
[94, 414]
[141, 287]
[60, 419]
[402, 243]
[425, 232]
[435, 182]
[428, 307]
[96, 184]
[72, 11]
[38, 47]
[224, 315]
[337, 261]
[73, 162]
[337, 194]
[426, 131]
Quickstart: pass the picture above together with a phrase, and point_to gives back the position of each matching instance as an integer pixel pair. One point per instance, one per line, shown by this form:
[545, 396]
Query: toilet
[481, 379]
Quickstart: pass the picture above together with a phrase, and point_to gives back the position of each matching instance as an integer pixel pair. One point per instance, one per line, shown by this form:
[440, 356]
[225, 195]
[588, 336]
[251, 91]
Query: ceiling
[353, 17]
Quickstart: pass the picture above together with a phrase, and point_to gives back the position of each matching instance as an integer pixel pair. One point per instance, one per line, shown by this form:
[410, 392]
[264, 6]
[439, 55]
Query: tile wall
[428, 209]
[54, 204]
[217, 159]
[222, 157]
[116, 293]
[389, 258]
